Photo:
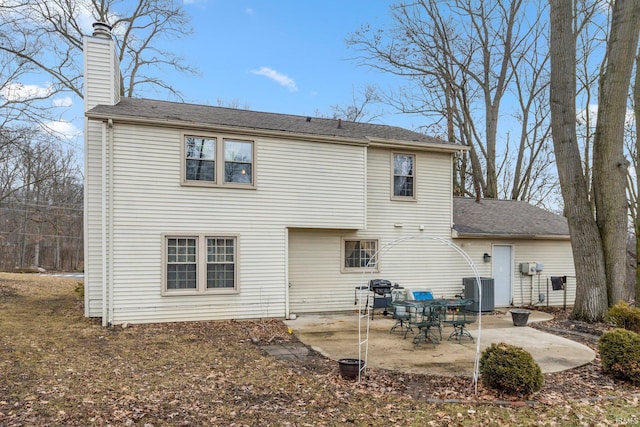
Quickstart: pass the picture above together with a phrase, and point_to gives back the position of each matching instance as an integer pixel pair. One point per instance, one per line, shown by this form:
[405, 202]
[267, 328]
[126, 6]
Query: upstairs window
[201, 159]
[404, 176]
[238, 159]
[217, 161]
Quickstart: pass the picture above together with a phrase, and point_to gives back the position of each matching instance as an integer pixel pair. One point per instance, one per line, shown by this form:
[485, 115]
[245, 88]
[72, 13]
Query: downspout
[364, 190]
[103, 225]
[286, 273]
[110, 216]
[451, 181]
[88, 275]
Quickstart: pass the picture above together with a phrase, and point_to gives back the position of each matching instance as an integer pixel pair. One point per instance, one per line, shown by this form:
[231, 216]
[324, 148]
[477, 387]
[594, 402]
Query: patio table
[427, 315]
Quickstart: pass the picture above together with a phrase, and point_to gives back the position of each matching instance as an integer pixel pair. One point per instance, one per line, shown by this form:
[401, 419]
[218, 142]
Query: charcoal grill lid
[379, 283]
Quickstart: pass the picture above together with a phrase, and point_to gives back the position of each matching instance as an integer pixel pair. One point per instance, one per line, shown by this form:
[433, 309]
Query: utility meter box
[528, 268]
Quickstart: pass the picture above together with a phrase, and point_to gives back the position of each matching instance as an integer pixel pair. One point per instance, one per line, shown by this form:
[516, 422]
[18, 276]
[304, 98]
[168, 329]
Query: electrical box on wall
[528, 268]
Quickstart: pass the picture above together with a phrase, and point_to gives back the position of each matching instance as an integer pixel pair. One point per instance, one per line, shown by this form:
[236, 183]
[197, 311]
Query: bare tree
[359, 110]
[609, 163]
[591, 22]
[40, 203]
[19, 102]
[589, 242]
[459, 59]
[46, 36]
[632, 177]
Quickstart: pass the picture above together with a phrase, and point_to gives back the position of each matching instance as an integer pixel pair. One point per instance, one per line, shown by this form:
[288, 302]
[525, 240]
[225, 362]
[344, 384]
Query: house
[195, 212]
[516, 236]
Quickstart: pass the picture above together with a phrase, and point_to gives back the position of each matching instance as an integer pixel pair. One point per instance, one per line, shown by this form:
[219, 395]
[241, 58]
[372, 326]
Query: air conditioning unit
[528, 268]
[471, 291]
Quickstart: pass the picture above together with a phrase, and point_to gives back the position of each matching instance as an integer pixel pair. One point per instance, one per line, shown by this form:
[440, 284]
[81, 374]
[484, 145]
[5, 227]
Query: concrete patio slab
[335, 335]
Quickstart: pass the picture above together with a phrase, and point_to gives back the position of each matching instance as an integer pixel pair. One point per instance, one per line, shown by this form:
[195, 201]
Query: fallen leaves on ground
[59, 368]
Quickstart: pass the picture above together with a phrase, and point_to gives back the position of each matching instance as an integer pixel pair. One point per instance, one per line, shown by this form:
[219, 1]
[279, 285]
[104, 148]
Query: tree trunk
[636, 220]
[591, 289]
[609, 163]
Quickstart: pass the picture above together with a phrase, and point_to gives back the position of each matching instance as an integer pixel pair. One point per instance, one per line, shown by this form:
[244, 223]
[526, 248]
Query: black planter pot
[349, 368]
[520, 317]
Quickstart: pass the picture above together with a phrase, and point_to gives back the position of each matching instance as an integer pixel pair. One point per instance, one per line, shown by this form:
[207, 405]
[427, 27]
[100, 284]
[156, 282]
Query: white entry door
[502, 274]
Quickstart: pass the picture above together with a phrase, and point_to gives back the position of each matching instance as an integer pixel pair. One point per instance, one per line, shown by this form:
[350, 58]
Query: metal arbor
[363, 354]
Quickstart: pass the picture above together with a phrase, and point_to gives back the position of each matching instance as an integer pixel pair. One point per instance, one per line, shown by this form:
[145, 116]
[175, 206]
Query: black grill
[381, 289]
[380, 286]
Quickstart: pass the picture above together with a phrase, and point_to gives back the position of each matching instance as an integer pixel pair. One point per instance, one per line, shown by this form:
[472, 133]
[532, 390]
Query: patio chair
[425, 318]
[401, 315]
[399, 311]
[459, 316]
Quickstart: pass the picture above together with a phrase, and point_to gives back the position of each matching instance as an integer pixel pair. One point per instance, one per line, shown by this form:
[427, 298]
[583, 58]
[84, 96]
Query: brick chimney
[101, 68]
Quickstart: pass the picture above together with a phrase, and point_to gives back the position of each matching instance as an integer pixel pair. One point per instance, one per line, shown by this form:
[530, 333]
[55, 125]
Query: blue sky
[279, 56]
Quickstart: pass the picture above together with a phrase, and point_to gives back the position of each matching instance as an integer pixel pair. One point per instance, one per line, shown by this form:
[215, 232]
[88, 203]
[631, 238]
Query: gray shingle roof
[211, 116]
[506, 218]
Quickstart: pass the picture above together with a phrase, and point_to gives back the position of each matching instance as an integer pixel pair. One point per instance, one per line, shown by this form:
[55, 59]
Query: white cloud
[18, 92]
[249, 11]
[62, 102]
[592, 113]
[281, 79]
[62, 128]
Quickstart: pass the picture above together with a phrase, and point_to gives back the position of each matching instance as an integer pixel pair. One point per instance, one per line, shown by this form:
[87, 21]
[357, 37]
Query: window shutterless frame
[199, 264]
[403, 176]
[357, 253]
[217, 160]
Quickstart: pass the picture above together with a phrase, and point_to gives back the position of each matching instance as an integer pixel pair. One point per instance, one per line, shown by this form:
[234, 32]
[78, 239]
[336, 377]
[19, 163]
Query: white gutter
[103, 225]
[418, 145]
[110, 216]
[502, 236]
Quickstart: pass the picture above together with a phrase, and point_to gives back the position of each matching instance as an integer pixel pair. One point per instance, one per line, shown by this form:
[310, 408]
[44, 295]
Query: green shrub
[620, 354]
[624, 316]
[510, 369]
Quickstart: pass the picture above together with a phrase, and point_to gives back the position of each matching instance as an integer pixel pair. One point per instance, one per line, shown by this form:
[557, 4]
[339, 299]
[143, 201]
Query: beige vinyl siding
[557, 258]
[556, 255]
[298, 184]
[93, 219]
[102, 84]
[420, 262]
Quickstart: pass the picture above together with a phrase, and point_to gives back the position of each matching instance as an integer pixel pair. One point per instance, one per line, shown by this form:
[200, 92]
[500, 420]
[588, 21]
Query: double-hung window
[199, 264]
[214, 160]
[200, 160]
[359, 254]
[404, 176]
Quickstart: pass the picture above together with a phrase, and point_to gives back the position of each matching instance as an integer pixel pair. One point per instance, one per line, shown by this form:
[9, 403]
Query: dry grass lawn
[59, 368]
